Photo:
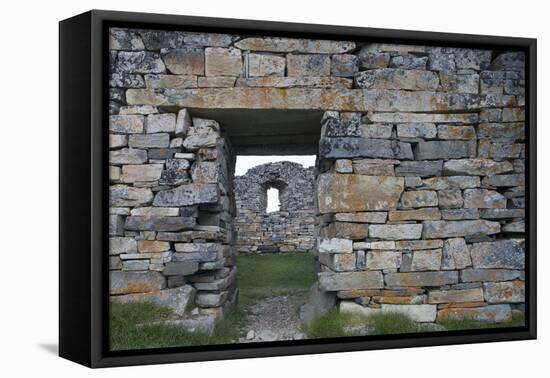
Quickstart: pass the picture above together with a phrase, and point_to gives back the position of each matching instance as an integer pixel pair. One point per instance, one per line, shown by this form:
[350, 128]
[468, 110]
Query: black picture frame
[83, 181]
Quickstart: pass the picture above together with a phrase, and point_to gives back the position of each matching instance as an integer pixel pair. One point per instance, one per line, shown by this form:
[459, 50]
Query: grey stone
[334, 245]
[421, 279]
[209, 39]
[365, 217]
[450, 198]
[455, 254]
[448, 229]
[117, 140]
[126, 80]
[459, 83]
[160, 123]
[419, 168]
[140, 173]
[490, 314]
[483, 199]
[171, 81]
[416, 130]
[118, 245]
[188, 60]
[159, 39]
[128, 156]
[463, 132]
[476, 167]
[371, 59]
[139, 62]
[155, 211]
[135, 265]
[149, 140]
[345, 65]
[186, 195]
[456, 296]
[206, 172]
[513, 61]
[179, 299]
[308, 65]
[391, 78]
[504, 254]
[207, 300]
[454, 149]
[376, 130]
[418, 198]
[505, 180]
[504, 292]
[484, 275]
[279, 44]
[441, 62]
[507, 131]
[350, 280]
[380, 260]
[181, 268]
[162, 153]
[198, 137]
[176, 172]
[409, 62]
[265, 65]
[374, 167]
[137, 223]
[459, 214]
[424, 260]
[451, 182]
[183, 122]
[124, 39]
[126, 124]
[122, 195]
[363, 147]
[318, 303]
[135, 282]
[472, 59]
[220, 61]
[395, 231]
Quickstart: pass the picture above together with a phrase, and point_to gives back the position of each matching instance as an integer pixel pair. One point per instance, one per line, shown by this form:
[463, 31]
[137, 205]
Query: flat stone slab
[179, 299]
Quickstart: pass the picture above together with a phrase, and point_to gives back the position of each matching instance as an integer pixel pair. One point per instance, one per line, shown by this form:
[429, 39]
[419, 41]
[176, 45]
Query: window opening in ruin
[273, 202]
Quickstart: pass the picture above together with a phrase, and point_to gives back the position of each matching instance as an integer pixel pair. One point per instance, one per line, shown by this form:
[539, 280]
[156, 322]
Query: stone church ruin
[418, 193]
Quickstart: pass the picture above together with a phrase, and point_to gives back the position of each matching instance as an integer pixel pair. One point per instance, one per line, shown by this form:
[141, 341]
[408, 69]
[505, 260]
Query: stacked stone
[291, 228]
[423, 213]
[171, 206]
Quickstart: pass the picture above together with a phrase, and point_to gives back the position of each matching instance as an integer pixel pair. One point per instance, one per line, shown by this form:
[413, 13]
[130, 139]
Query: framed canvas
[234, 188]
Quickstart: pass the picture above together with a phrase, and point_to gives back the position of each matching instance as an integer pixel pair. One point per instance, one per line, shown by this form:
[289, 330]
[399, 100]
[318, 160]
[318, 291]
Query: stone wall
[287, 230]
[420, 181]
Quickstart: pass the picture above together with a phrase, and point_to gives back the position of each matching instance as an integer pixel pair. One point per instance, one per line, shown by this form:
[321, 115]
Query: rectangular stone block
[140, 173]
[512, 131]
[483, 199]
[278, 44]
[350, 280]
[476, 167]
[160, 123]
[395, 231]
[484, 275]
[374, 167]
[179, 299]
[221, 61]
[266, 65]
[449, 229]
[126, 124]
[334, 245]
[183, 268]
[350, 193]
[123, 195]
[149, 140]
[391, 78]
[155, 212]
[451, 182]
[419, 279]
[455, 254]
[416, 130]
[308, 65]
[187, 195]
[346, 230]
[159, 223]
[397, 117]
[459, 214]
[152, 246]
[463, 132]
[454, 296]
[490, 314]
[171, 81]
[424, 260]
[128, 156]
[418, 198]
[504, 254]
[186, 60]
[118, 245]
[447, 149]
[347, 147]
[380, 260]
[504, 292]
[366, 217]
[387, 244]
[135, 282]
[339, 262]
[419, 168]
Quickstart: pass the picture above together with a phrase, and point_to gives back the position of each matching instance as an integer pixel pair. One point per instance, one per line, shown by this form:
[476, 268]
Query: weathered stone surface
[346, 192]
[206, 172]
[134, 223]
[398, 117]
[376, 130]
[343, 166]
[417, 214]
[209, 39]
[160, 123]
[187, 194]
[459, 214]
[379, 260]
[182, 268]
[454, 296]
[504, 292]
[418, 198]
[476, 167]
[385, 245]
[277, 44]
[371, 59]
[135, 282]
[505, 254]
[451, 182]
[492, 275]
[140, 173]
[171, 81]
[490, 314]
[421, 279]
[199, 137]
[122, 195]
[366, 217]
[464, 132]
[450, 198]
[328, 82]
[216, 81]
[138, 109]
[117, 140]
[455, 254]
[118, 245]
[416, 130]
[334, 245]
[124, 39]
[513, 114]
[176, 172]
[449, 229]
[155, 212]
[418, 244]
[513, 61]
[188, 60]
[419, 168]
[395, 231]
[346, 230]
[179, 299]
[339, 262]
[505, 180]
[350, 280]
[160, 39]
[423, 260]
[345, 65]
[126, 80]
[483, 199]
[159, 140]
[127, 156]
[419, 313]
[444, 149]
[459, 83]
[223, 61]
[390, 78]
[208, 300]
[139, 62]
[265, 65]
[374, 167]
[409, 62]
[510, 131]
[308, 65]
[183, 122]
[126, 124]
[152, 246]
[363, 147]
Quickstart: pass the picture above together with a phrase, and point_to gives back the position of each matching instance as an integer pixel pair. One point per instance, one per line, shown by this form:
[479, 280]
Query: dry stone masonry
[288, 230]
[419, 194]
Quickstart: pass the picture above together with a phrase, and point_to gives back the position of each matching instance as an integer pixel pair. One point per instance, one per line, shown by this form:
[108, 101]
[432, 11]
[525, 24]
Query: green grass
[259, 277]
[333, 324]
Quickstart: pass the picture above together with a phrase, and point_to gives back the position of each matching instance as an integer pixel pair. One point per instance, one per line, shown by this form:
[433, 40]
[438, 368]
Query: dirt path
[275, 318]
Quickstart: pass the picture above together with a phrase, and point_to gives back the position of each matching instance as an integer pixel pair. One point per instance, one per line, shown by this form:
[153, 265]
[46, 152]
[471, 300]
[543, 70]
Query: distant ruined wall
[288, 230]
[420, 183]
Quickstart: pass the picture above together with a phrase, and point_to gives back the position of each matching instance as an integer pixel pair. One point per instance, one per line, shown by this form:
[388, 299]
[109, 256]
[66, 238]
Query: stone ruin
[288, 230]
[419, 184]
